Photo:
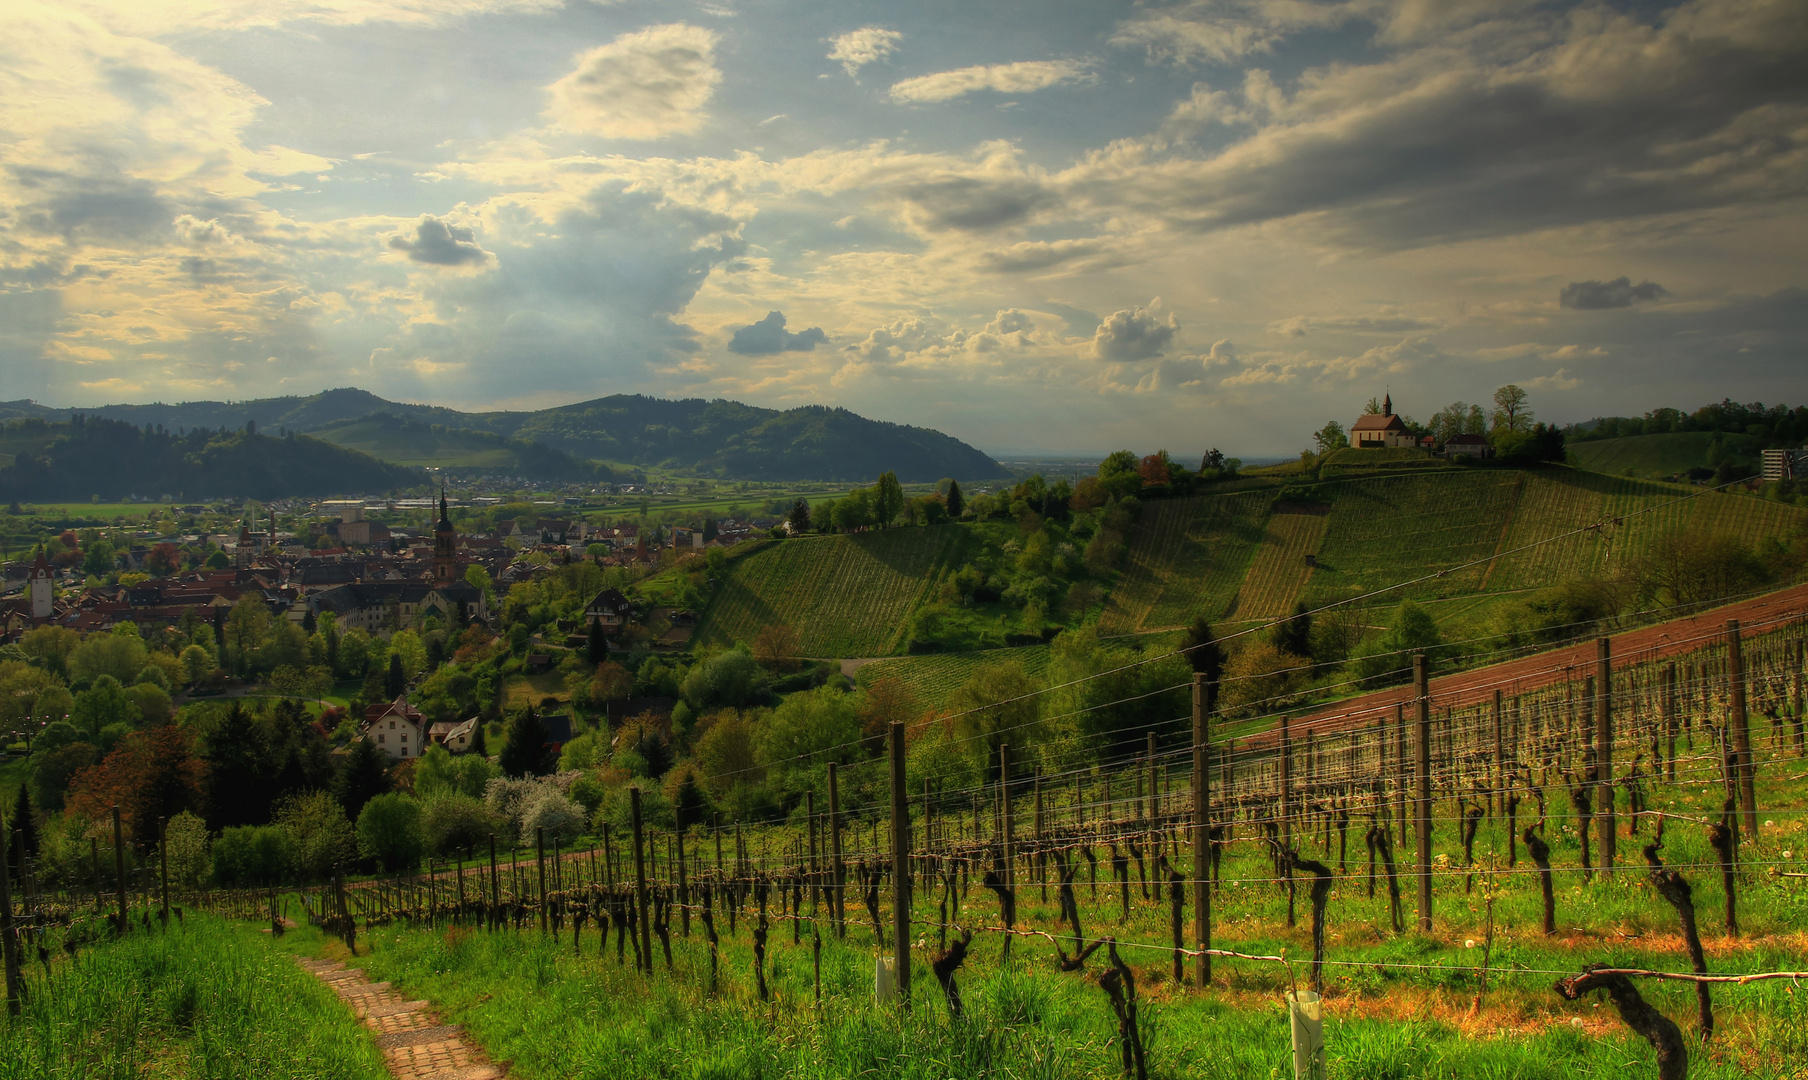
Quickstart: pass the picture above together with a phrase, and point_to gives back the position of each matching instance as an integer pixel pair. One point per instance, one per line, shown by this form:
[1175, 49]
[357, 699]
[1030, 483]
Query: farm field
[934, 678]
[1653, 456]
[1279, 571]
[845, 596]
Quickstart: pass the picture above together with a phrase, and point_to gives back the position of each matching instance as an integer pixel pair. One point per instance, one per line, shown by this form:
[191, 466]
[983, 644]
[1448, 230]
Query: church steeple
[1387, 404]
[42, 587]
[445, 546]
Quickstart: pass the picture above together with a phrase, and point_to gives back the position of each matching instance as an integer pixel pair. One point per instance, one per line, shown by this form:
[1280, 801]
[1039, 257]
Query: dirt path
[415, 1045]
[1530, 673]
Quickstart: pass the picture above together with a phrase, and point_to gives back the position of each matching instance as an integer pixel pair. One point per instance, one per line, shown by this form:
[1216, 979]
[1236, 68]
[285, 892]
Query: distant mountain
[93, 455]
[721, 438]
[412, 442]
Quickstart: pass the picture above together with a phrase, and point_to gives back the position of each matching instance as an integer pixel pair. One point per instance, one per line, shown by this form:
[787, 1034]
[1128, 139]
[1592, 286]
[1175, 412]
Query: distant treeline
[111, 459]
[1772, 426]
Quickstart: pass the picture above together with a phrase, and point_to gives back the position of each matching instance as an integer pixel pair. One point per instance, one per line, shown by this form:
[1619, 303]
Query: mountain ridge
[710, 437]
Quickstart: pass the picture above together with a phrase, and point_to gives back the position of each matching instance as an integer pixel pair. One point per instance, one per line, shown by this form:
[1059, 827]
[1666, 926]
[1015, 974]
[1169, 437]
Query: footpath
[415, 1045]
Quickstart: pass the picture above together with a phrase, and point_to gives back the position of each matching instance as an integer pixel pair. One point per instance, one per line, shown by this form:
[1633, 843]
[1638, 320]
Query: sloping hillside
[1665, 454]
[1239, 557]
[412, 442]
[845, 596]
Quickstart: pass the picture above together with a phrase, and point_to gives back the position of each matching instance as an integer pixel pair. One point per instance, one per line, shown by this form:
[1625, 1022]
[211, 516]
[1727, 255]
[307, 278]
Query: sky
[1042, 227]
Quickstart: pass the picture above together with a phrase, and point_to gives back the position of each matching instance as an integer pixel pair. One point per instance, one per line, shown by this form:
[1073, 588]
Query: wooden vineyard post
[495, 886]
[540, 862]
[1739, 722]
[1041, 878]
[1006, 833]
[1670, 719]
[1604, 822]
[1202, 793]
[163, 865]
[640, 882]
[1422, 699]
[1403, 767]
[9, 942]
[1152, 825]
[684, 889]
[119, 867]
[837, 871]
[1498, 804]
[1287, 812]
[900, 865]
[815, 863]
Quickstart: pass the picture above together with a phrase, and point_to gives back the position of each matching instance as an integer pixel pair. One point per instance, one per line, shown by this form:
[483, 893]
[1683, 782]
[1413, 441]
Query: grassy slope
[843, 595]
[935, 678]
[208, 999]
[415, 445]
[1227, 557]
[1653, 456]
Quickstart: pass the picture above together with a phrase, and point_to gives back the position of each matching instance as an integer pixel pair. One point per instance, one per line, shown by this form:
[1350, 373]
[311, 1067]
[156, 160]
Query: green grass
[845, 596]
[935, 677]
[1399, 1005]
[102, 510]
[206, 999]
[1653, 456]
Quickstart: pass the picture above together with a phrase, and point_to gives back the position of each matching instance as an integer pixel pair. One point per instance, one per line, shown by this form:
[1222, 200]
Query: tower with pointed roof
[445, 546]
[41, 587]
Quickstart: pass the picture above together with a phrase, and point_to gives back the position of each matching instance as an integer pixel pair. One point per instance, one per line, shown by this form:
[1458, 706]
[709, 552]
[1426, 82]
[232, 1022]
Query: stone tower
[41, 587]
[445, 546]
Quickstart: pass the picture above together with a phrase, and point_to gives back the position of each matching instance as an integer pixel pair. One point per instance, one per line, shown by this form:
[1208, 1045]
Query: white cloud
[171, 16]
[1138, 333]
[645, 85]
[1019, 78]
[867, 45]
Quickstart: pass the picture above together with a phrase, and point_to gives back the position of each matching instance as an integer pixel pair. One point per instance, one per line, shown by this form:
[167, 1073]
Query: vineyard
[1481, 531]
[845, 596]
[1566, 868]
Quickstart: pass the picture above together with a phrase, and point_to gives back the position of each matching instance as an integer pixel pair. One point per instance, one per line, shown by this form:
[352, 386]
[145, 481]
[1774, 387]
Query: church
[382, 607]
[1382, 429]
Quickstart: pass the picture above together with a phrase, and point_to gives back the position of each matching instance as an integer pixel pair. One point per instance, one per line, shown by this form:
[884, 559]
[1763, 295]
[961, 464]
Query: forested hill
[709, 438]
[89, 456]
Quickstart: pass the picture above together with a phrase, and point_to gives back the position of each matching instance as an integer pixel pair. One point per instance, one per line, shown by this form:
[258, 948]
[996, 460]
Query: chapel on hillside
[1381, 429]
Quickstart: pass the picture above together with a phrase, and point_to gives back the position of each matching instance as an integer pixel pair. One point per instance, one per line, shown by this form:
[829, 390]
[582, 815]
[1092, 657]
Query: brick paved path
[415, 1044]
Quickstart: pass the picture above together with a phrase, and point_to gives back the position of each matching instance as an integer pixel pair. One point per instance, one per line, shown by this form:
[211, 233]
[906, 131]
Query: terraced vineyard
[1228, 557]
[934, 678]
[845, 596]
[1186, 556]
[1279, 570]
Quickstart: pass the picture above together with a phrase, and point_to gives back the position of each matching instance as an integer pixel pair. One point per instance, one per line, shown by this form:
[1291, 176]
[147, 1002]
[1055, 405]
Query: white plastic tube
[1306, 1011]
[885, 987]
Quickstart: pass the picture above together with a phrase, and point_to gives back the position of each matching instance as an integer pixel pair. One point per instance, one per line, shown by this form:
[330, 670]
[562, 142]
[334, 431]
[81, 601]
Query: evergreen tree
[526, 752]
[25, 824]
[363, 777]
[1295, 634]
[397, 681]
[957, 503]
[238, 777]
[596, 645]
[800, 515]
[478, 743]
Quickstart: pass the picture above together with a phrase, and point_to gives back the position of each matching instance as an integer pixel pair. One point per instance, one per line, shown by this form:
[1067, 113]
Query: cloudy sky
[1044, 226]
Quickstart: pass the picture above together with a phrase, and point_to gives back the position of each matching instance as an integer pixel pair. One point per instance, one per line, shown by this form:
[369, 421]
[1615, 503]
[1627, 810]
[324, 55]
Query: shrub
[389, 831]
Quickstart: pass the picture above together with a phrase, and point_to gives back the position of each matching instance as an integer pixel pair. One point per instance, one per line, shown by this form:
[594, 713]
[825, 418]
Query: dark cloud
[1620, 292]
[1136, 334]
[974, 204]
[1599, 119]
[769, 336]
[440, 244]
[91, 207]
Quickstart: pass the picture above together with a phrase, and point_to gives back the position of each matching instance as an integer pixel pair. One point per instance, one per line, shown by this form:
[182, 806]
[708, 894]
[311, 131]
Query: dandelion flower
[1468, 943]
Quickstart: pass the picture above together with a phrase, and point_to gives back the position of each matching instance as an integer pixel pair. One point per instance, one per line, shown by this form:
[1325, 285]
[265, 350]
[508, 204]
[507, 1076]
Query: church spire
[1387, 404]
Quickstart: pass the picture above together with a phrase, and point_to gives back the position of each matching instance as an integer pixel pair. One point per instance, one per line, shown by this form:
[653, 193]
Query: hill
[1666, 454]
[1241, 557]
[719, 438]
[94, 456]
[413, 442]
